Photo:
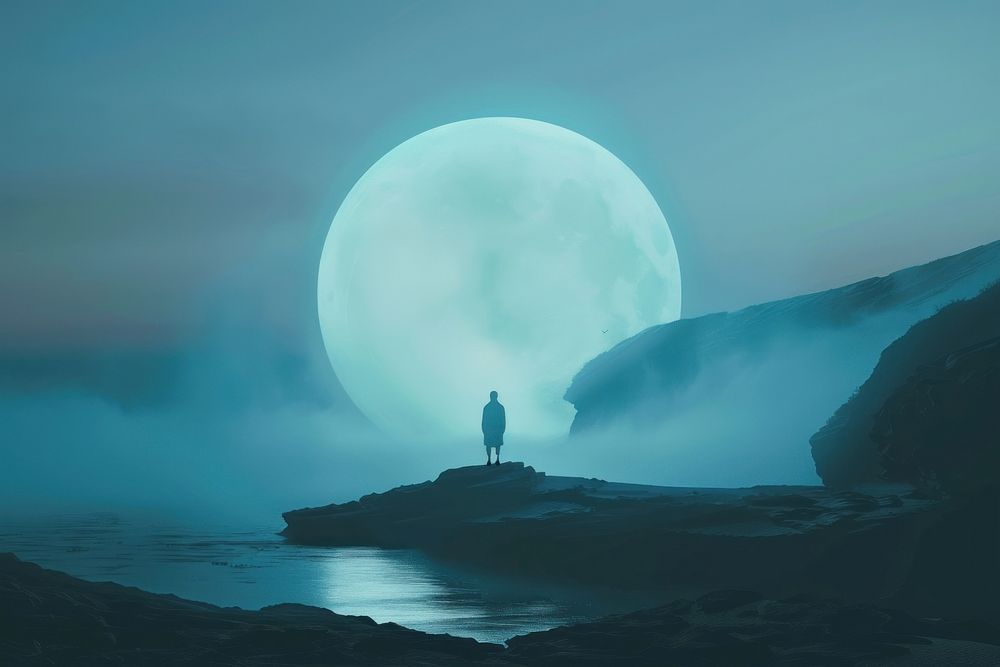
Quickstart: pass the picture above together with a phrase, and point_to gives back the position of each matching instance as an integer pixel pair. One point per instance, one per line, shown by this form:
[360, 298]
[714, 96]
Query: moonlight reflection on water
[253, 568]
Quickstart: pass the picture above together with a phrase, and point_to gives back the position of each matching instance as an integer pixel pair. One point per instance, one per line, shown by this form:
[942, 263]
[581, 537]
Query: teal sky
[161, 159]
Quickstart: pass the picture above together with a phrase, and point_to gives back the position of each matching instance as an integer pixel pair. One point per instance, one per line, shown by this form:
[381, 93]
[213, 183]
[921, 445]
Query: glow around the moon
[494, 253]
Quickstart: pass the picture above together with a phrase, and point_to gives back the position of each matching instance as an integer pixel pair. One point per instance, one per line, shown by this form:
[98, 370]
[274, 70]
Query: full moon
[493, 253]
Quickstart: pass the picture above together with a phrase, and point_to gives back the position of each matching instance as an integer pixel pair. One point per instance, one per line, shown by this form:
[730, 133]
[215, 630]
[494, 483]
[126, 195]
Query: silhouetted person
[494, 424]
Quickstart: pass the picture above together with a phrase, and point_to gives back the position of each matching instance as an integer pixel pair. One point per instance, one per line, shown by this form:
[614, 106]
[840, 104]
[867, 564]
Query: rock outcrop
[777, 540]
[421, 513]
[49, 618]
[924, 381]
[940, 429]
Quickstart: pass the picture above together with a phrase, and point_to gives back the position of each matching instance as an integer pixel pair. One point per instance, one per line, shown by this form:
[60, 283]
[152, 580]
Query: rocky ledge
[49, 618]
[883, 545]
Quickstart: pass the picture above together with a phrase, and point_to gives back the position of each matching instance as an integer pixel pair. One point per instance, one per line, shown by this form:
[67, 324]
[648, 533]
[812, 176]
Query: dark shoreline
[51, 618]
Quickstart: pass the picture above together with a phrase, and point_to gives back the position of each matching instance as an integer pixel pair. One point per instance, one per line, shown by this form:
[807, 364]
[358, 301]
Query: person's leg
[498, 456]
[487, 456]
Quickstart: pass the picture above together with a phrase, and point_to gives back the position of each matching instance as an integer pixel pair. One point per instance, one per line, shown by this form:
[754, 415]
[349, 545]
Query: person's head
[493, 395]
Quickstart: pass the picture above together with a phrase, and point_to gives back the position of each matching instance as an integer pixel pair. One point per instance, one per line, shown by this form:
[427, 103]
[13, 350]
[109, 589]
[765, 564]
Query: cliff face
[766, 377]
[940, 430]
[929, 405]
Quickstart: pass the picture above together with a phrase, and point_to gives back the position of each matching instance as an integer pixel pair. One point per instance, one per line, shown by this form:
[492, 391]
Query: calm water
[254, 568]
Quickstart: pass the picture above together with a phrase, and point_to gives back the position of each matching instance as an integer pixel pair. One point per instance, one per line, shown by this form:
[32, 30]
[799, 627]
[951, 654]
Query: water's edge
[252, 567]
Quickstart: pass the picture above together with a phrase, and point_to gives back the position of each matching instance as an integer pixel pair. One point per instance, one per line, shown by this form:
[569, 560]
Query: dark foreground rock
[738, 628]
[49, 618]
[886, 544]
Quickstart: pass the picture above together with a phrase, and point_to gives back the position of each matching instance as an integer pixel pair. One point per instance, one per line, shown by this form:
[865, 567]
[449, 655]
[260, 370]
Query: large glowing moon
[493, 253]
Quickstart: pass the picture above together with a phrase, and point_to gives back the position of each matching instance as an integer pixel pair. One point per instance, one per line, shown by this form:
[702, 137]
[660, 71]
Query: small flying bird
[604, 331]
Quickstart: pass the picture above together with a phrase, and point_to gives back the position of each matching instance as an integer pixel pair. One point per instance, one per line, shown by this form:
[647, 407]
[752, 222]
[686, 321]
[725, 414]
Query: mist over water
[86, 453]
[247, 430]
[95, 456]
[740, 422]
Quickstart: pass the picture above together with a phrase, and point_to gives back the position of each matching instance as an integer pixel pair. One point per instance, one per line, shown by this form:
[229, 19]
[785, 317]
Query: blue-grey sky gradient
[165, 162]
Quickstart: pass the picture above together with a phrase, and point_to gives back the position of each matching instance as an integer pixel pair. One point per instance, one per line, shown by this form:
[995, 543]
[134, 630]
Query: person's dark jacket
[494, 424]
